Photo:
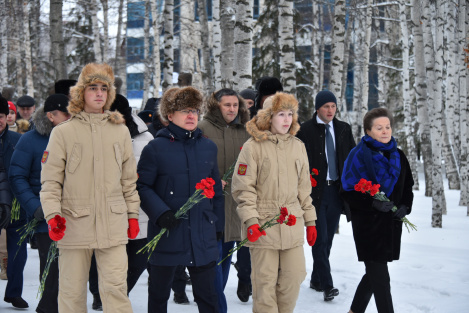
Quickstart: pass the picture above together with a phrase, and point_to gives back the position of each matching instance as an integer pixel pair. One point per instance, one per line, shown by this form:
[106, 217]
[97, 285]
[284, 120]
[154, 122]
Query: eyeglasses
[186, 112]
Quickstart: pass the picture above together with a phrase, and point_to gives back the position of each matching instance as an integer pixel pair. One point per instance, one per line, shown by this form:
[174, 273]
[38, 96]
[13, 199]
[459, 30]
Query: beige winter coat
[229, 140]
[89, 177]
[271, 173]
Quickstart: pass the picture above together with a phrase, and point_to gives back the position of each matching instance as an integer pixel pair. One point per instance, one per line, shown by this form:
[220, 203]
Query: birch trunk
[98, 55]
[348, 35]
[156, 49]
[120, 57]
[27, 51]
[463, 102]
[405, 73]
[383, 57]
[361, 81]
[316, 47]
[105, 30]
[16, 50]
[216, 45]
[450, 163]
[146, 54]
[205, 40]
[420, 88]
[57, 41]
[168, 44]
[433, 59]
[227, 24]
[4, 44]
[337, 54]
[242, 75]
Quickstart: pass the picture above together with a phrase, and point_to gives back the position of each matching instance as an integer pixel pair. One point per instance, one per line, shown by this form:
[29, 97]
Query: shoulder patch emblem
[242, 169]
[44, 157]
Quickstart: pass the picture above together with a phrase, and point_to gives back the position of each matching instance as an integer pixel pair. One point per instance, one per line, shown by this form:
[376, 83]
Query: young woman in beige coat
[272, 172]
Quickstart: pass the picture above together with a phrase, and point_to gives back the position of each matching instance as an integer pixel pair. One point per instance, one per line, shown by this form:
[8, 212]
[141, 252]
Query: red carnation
[281, 219]
[291, 220]
[314, 183]
[209, 193]
[374, 189]
[283, 211]
[315, 171]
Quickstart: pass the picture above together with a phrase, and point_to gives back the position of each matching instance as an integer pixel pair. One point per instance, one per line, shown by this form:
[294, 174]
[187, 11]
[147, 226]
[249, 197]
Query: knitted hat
[273, 104]
[4, 106]
[63, 86]
[248, 94]
[56, 102]
[324, 97]
[176, 99]
[25, 101]
[11, 106]
[151, 104]
[90, 74]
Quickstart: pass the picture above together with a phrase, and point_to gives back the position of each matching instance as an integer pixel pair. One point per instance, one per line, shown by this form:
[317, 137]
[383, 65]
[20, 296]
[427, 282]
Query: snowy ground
[432, 275]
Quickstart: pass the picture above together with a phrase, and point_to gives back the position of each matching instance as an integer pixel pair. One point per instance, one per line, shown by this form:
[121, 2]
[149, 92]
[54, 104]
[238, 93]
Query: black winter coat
[378, 235]
[8, 140]
[314, 137]
[169, 168]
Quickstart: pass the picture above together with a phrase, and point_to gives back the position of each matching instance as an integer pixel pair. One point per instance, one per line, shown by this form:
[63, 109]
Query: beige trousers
[74, 267]
[276, 278]
[3, 242]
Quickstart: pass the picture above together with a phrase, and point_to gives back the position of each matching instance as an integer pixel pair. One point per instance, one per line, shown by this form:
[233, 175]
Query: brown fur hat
[212, 104]
[92, 73]
[176, 99]
[261, 123]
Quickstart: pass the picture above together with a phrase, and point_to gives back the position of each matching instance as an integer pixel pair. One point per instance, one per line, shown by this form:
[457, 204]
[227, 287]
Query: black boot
[17, 302]
[181, 298]
[243, 292]
[330, 294]
[97, 304]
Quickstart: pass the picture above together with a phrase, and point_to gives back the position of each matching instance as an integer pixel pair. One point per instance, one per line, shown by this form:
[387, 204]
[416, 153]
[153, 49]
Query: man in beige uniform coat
[89, 178]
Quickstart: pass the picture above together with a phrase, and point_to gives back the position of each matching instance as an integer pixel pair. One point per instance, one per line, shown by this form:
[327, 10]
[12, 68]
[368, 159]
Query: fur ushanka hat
[176, 99]
[258, 125]
[92, 73]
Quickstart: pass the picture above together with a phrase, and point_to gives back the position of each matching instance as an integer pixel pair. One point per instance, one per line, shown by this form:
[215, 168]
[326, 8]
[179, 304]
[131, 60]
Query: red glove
[311, 235]
[254, 232]
[133, 229]
[57, 228]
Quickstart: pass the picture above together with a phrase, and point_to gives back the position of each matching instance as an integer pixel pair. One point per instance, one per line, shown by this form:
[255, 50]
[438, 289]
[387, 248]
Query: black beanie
[4, 106]
[265, 86]
[63, 86]
[121, 104]
[56, 102]
[248, 94]
[324, 97]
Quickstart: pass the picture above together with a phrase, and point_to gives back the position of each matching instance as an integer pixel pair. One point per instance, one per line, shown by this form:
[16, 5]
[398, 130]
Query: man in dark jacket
[25, 177]
[169, 168]
[328, 142]
[17, 255]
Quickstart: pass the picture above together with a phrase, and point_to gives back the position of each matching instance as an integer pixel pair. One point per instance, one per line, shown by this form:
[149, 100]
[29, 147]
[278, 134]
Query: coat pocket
[80, 225]
[75, 158]
[209, 230]
[265, 171]
[118, 220]
[117, 152]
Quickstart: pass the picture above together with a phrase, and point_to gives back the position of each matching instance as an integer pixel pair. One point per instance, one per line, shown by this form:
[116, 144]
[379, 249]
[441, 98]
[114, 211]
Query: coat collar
[100, 118]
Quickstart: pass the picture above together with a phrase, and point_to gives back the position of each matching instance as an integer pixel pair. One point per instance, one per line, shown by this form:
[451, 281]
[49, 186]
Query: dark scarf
[367, 161]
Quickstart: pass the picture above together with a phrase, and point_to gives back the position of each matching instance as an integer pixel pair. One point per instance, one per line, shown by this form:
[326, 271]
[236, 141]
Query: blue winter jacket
[169, 168]
[25, 168]
[8, 141]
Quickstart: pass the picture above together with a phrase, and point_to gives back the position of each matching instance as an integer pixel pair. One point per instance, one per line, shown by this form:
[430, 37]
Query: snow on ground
[432, 275]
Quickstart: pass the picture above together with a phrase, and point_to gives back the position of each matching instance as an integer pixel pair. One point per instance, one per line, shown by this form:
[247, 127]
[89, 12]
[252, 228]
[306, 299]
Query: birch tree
[120, 57]
[98, 55]
[4, 45]
[27, 51]
[205, 40]
[242, 74]
[216, 44]
[227, 24]
[57, 40]
[337, 54]
[420, 88]
[433, 58]
[287, 46]
[105, 30]
[156, 49]
[317, 47]
[168, 44]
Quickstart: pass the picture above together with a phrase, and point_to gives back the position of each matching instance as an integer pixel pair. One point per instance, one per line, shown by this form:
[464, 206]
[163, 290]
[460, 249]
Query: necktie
[331, 159]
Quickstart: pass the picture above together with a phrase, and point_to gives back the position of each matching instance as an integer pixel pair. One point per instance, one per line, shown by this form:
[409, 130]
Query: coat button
[170, 192]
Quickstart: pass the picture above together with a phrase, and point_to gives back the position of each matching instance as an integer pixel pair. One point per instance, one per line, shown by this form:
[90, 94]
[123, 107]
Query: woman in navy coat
[169, 168]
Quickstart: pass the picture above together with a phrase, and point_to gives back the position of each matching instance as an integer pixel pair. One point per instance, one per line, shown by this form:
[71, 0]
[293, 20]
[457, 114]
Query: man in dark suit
[328, 142]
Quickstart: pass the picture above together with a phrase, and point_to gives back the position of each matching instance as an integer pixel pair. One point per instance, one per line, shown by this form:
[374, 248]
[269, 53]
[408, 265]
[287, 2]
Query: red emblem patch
[45, 156]
[242, 169]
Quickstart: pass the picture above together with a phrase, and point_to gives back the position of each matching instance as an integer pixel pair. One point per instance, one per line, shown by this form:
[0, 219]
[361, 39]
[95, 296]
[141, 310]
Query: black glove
[5, 213]
[383, 206]
[39, 214]
[219, 235]
[401, 212]
[167, 220]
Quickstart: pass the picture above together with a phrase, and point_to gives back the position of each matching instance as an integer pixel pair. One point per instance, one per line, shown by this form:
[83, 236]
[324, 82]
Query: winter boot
[181, 298]
[97, 304]
[243, 292]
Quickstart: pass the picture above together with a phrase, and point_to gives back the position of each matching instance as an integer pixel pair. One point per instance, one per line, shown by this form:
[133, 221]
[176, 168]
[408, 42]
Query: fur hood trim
[92, 73]
[176, 99]
[41, 122]
[23, 126]
[116, 117]
[259, 126]
[211, 106]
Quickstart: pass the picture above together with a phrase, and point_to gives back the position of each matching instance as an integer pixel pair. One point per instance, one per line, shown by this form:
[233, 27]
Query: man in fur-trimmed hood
[89, 180]
[225, 117]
